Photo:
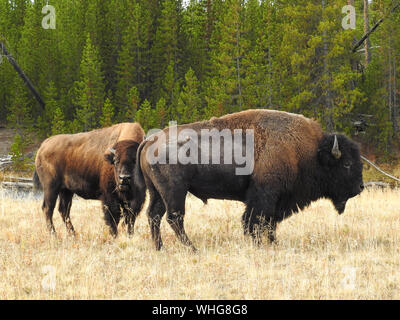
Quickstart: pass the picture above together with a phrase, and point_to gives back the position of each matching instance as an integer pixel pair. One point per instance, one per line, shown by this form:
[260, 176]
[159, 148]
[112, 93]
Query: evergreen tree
[89, 90]
[170, 89]
[107, 116]
[133, 104]
[129, 59]
[313, 41]
[190, 102]
[166, 50]
[59, 125]
[17, 153]
[45, 120]
[146, 116]
[161, 114]
[224, 92]
[157, 59]
[19, 116]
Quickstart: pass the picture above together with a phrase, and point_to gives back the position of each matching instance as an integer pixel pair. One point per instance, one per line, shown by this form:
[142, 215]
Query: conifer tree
[45, 120]
[166, 50]
[129, 59]
[106, 119]
[146, 116]
[189, 105]
[89, 90]
[19, 116]
[133, 105]
[59, 125]
[224, 92]
[161, 114]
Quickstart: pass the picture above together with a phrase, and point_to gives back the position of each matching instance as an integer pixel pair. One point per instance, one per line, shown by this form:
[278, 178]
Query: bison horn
[335, 150]
[112, 150]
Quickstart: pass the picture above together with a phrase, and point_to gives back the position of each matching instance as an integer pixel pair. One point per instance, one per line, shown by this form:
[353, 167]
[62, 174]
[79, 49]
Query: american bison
[292, 163]
[94, 165]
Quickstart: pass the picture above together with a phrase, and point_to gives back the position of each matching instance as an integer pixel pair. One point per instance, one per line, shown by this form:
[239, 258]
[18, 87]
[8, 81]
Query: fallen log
[376, 184]
[20, 179]
[17, 185]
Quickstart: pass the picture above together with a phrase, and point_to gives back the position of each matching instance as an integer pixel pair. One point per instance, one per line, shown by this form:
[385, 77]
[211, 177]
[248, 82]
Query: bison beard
[294, 163]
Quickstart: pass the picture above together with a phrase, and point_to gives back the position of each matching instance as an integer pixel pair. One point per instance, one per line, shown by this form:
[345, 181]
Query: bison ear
[109, 155]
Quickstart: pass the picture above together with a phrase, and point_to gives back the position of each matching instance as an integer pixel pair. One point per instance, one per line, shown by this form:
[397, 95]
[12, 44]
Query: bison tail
[138, 181]
[37, 185]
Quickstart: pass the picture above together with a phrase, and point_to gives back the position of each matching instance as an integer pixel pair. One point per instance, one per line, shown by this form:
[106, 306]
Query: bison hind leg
[64, 208]
[49, 202]
[155, 212]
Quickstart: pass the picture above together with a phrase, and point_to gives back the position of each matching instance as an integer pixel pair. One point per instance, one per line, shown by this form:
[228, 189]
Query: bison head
[123, 157]
[342, 169]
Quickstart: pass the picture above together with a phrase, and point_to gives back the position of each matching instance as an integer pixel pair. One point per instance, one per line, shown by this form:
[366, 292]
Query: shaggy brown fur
[71, 164]
[293, 165]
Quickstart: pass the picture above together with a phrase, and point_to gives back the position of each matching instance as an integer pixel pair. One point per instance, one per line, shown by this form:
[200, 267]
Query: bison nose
[124, 178]
[362, 186]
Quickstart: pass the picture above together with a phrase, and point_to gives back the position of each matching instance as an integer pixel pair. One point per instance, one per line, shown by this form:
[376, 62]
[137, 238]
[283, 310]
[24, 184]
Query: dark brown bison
[94, 165]
[294, 162]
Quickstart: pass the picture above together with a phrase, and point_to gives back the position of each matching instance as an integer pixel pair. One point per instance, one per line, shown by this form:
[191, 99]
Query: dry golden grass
[319, 255]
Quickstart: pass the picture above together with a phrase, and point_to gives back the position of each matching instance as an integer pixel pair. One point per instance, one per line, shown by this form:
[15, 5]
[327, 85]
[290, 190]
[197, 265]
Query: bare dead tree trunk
[367, 43]
[395, 107]
[21, 73]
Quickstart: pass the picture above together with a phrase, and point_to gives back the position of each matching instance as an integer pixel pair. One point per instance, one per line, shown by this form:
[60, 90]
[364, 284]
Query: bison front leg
[258, 225]
[130, 215]
[112, 215]
[258, 218]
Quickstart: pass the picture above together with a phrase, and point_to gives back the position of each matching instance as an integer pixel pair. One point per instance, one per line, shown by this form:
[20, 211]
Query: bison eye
[347, 164]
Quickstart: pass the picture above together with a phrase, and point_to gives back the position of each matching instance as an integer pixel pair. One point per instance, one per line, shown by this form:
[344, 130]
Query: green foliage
[20, 162]
[128, 113]
[46, 119]
[89, 89]
[189, 102]
[58, 122]
[161, 114]
[160, 61]
[146, 116]
[106, 119]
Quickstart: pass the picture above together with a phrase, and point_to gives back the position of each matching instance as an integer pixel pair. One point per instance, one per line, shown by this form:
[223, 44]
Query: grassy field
[318, 255]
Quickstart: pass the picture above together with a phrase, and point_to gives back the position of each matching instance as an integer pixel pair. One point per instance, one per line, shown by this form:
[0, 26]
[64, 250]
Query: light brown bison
[94, 165]
[293, 163]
